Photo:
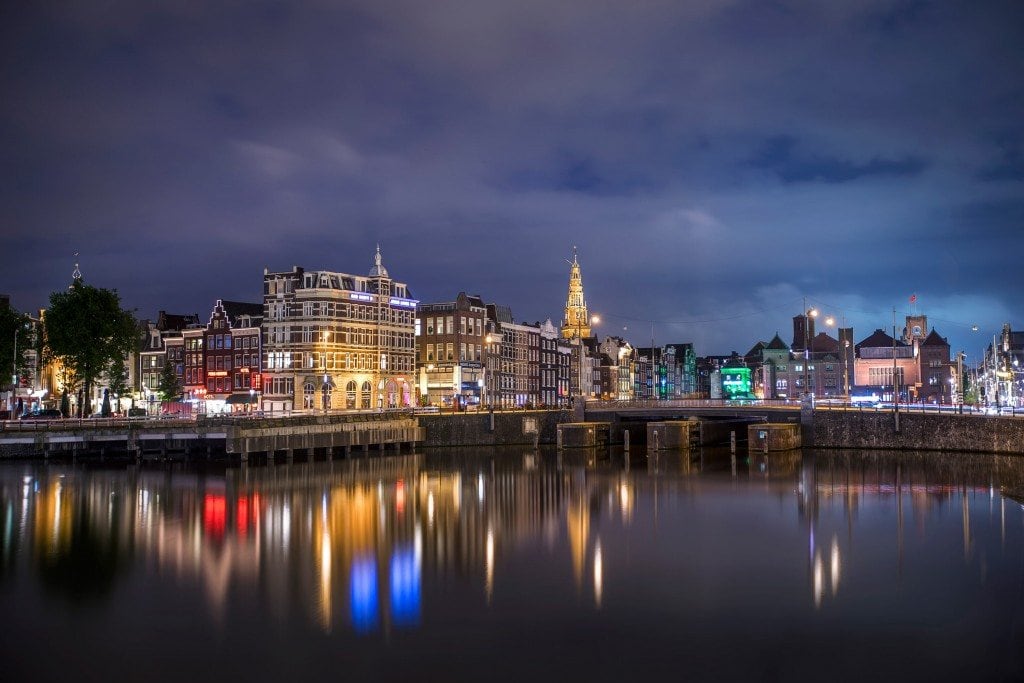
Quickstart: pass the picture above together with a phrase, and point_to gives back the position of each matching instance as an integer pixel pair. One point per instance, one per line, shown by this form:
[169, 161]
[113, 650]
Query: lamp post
[323, 364]
[14, 371]
[809, 314]
[594, 320]
[488, 376]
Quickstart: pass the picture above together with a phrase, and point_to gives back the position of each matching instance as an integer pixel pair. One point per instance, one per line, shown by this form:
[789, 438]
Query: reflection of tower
[578, 523]
[576, 322]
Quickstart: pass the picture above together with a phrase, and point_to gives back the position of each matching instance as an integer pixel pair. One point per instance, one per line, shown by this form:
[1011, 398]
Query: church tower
[576, 322]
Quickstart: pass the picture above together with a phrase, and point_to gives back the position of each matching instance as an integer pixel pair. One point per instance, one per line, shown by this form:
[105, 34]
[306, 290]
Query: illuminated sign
[217, 373]
[360, 297]
[404, 303]
[736, 383]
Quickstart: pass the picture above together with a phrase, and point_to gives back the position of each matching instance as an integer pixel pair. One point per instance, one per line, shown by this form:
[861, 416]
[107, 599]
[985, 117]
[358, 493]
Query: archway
[350, 395]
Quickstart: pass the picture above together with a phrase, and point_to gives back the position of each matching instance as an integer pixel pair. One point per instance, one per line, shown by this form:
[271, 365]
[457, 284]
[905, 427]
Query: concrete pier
[583, 434]
[773, 437]
[675, 435]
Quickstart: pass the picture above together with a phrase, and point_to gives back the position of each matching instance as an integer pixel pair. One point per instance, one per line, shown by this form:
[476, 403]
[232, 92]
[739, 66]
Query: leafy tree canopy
[87, 330]
[170, 387]
[117, 378]
[12, 323]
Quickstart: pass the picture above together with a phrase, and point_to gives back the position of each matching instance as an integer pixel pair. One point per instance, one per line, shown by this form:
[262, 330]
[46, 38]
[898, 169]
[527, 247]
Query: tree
[13, 324]
[87, 331]
[170, 387]
[117, 379]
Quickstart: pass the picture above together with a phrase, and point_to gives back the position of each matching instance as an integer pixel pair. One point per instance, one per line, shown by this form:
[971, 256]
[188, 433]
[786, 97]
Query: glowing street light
[809, 313]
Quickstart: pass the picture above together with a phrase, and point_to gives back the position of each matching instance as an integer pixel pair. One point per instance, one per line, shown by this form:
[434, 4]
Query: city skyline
[715, 163]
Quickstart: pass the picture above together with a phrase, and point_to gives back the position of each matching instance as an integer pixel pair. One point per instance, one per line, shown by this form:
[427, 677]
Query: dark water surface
[504, 565]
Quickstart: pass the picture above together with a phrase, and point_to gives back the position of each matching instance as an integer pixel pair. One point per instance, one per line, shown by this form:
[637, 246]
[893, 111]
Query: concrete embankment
[927, 432]
[493, 429]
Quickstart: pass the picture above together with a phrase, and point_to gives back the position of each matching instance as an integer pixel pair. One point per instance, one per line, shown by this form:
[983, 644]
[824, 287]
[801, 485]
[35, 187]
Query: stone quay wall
[918, 431]
[512, 428]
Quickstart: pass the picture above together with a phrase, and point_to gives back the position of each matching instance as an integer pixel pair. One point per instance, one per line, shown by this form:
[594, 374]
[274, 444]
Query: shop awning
[234, 399]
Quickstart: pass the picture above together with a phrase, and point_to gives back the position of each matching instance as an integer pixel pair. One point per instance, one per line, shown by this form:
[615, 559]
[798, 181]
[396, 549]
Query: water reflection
[360, 544]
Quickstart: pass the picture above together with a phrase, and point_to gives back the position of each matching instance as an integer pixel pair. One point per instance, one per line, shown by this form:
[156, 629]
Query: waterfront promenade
[320, 436]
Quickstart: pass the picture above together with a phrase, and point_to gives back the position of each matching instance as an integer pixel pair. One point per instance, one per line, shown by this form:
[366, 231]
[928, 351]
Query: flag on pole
[913, 298]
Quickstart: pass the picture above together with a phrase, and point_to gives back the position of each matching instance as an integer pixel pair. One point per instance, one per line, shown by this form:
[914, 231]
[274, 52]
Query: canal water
[511, 565]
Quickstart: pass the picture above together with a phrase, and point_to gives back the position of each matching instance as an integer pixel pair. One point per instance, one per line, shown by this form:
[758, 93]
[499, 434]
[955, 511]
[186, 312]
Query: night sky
[714, 161]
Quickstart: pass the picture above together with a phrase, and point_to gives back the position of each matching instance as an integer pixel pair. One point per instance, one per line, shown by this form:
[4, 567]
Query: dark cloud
[1010, 166]
[707, 156]
[778, 155]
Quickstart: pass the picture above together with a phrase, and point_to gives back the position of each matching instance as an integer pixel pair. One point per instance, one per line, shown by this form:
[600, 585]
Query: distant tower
[576, 322]
[916, 329]
[76, 274]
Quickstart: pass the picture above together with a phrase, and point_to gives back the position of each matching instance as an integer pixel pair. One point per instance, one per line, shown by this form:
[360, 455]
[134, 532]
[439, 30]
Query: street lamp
[594, 320]
[488, 374]
[809, 314]
[323, 364]
[14, 371]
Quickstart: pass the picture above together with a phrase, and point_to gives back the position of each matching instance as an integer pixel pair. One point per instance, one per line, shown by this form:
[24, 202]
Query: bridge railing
[928, 408]
[600, 404]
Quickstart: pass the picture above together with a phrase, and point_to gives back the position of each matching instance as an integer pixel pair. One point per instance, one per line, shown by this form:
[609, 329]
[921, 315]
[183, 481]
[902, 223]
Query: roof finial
[76, 274]
[378, 269]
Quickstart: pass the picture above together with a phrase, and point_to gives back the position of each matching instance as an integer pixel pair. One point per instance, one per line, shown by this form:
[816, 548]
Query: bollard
[536, 440]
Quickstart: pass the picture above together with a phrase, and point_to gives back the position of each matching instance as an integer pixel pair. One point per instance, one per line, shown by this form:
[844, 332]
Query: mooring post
[625, 441]
[732, 442]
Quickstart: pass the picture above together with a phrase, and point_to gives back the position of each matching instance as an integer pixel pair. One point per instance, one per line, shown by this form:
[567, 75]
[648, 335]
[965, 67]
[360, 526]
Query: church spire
[76, 274]
[576, 322]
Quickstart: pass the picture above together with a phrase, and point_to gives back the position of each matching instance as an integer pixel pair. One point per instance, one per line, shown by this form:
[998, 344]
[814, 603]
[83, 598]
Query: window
[450, 325]
[430, 352]
[462, 324]
[450, 348]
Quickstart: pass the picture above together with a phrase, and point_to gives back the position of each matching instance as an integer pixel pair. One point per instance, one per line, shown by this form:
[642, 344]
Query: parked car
[48, 414]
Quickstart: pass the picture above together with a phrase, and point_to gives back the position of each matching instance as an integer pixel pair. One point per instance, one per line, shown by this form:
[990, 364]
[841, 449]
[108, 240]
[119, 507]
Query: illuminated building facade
[555, 354]
[451, 345]
[231, 343]
[337, 341]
